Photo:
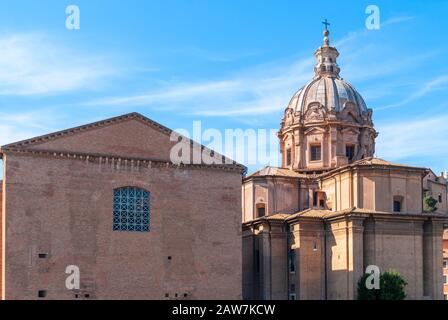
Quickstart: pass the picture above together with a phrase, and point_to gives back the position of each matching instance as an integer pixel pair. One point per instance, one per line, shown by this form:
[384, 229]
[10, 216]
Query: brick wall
[64, 208]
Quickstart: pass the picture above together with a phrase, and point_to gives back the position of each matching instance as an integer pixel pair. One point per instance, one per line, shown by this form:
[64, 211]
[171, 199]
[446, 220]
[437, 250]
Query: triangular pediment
[128, 136]
[131, 135]
[315, 130]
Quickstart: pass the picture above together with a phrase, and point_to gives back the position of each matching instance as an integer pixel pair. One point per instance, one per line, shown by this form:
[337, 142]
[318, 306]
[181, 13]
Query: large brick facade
[60, 204]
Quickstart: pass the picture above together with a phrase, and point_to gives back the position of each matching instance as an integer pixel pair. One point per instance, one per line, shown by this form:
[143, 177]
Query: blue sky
[230, 64]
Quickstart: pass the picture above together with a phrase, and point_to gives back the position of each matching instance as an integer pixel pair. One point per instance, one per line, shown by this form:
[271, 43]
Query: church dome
[327, 123]
[331, 92]
[327, 96]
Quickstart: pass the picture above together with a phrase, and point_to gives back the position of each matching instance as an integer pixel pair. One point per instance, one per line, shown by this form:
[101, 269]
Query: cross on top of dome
[326, 33]
[326, 65]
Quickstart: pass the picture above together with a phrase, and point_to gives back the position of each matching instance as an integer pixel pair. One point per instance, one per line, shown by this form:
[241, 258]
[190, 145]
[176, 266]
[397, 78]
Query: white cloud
[438, 83]
[215, 56]
[261, 91]
[425, 137]
[31, 63]
[398, 19]
[24, 125]
[354, 35]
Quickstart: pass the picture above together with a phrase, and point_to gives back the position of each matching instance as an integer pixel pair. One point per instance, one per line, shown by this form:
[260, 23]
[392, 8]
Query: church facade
[107, 199]
[312, 226]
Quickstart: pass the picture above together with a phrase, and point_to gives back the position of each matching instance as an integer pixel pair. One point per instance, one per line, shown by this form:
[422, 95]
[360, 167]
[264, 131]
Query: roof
[278, 216]
[276, 172]
[437, 179]
[331, 92]
[373, 162]
[378, 161]
[58, 134]
[327, 214]
[21, 146]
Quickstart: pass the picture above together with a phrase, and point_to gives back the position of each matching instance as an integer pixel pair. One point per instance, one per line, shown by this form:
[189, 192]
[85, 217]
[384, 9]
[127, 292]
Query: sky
[229, 64]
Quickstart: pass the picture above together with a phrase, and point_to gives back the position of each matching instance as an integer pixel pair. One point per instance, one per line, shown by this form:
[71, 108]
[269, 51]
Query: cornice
[326, 124]
[119, 161]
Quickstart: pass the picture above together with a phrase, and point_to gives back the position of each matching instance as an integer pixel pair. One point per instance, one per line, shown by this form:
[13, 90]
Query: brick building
[106, 198]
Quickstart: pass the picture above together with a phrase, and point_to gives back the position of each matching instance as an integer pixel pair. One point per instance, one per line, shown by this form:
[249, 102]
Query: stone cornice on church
[373, 163]
[118, 162]
[351, 213]
[325, 125]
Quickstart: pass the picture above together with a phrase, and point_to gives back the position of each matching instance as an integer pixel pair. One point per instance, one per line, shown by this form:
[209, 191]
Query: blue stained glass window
[131, 210]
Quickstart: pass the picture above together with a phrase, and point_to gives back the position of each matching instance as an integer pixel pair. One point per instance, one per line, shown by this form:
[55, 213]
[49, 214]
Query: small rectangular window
[314, 199]
[316, 153]
[288, 157]
[261, 211]
[292, 296]
[445, 278]
[445, 264]
[42, 255]
[440, 198]
[397, 206]
[41, 293]
[292, 261]
[350, 152]
[321, 204]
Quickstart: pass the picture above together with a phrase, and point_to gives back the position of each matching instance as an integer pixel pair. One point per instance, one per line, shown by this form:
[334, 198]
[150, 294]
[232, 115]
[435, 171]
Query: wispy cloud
[32, 63]
[261, 90]
[15, 126]
[398, 19]
[438, 83]
[356, 34]
[215, 56]
[401, 140]
[380, 66]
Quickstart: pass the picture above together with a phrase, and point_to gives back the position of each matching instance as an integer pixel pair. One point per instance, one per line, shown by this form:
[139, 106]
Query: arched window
[131, 209]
